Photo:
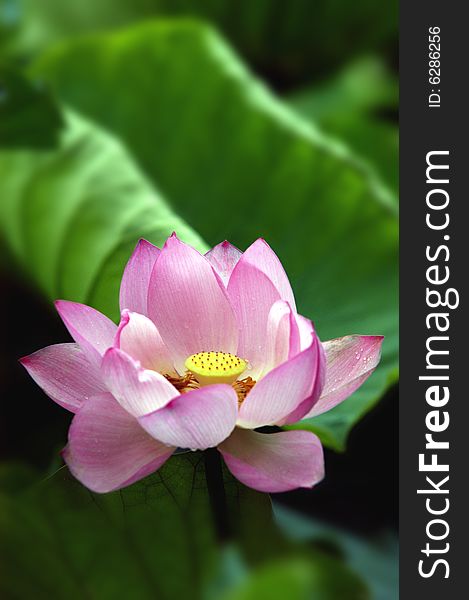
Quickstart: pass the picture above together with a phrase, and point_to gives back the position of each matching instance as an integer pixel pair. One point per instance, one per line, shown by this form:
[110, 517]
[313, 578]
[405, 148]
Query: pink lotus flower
[208, 349]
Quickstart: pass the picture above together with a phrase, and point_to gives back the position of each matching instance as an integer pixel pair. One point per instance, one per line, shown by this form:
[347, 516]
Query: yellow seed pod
[215, 367]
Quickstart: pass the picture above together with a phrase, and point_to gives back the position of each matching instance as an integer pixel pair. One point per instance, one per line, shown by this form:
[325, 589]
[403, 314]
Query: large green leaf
[9, 23]
[153, 540]
[73, 215]
[350, 106]
[301, 578]
[361, 86]
[376, 559]
[288, 40]
[29, 117]
[239, 164]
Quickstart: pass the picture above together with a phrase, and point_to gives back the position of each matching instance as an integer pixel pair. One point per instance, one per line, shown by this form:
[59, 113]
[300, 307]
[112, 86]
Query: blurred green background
[122, 119]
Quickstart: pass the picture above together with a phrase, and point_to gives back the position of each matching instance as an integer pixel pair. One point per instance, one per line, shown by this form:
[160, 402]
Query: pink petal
[107, 449]
[197, 420]
[282, 390]
[304, 407]
[89, 328]
[223, 259]
[189, 305]
[139, 391]
[65, 374]
[136, 277]
[252, 295]
[275, 462]
[305, 330]
[261, 255]
[138, 337]
[282, 337]
[350, 360]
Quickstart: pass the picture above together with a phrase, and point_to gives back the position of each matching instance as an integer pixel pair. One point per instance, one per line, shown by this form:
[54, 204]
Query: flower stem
[216, 493]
